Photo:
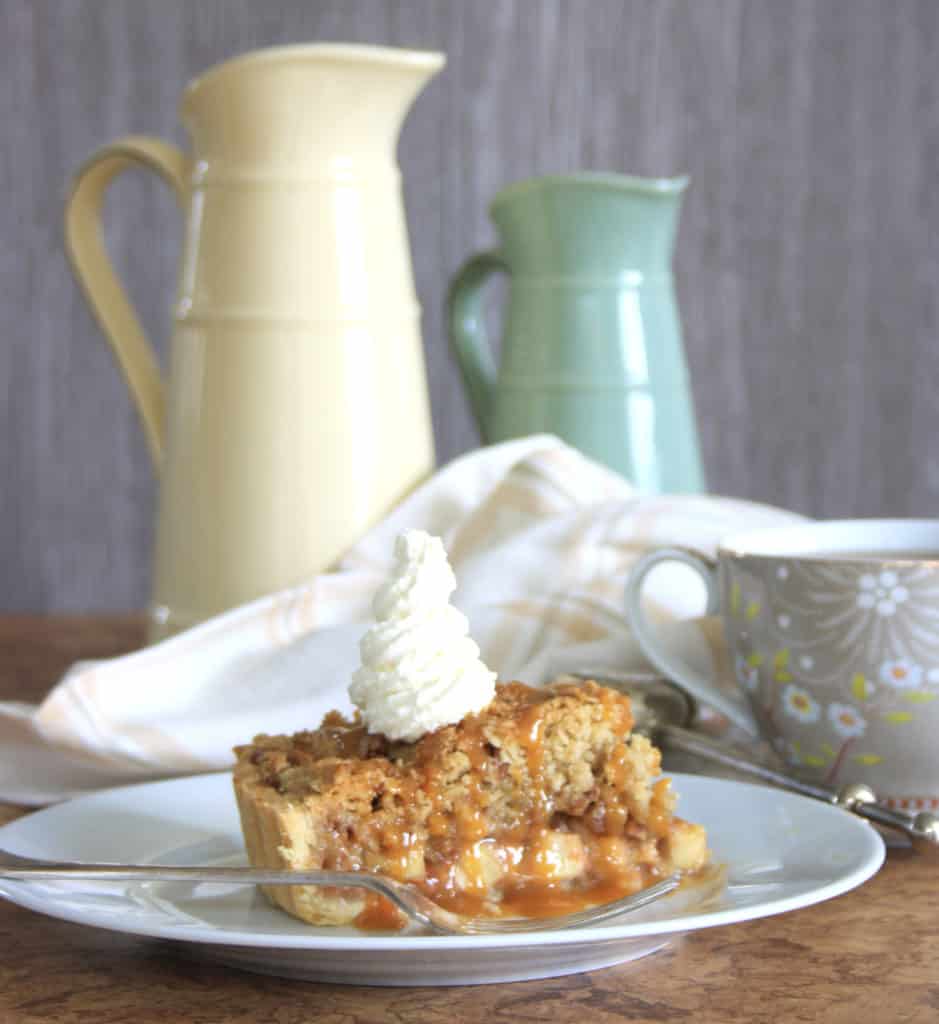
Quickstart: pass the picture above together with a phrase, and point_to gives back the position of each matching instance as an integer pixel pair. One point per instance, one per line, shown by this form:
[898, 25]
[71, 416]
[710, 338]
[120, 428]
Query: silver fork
[405, 897]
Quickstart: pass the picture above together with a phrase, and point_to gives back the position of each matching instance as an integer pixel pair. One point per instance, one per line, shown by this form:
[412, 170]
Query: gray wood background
[807, 263]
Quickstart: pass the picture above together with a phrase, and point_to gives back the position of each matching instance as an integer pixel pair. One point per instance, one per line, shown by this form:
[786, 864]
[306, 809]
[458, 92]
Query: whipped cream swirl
[420, 670]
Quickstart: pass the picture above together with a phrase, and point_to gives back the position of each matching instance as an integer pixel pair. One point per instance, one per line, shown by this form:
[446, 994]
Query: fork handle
[922, 830]
[416, 906]
[38, 870]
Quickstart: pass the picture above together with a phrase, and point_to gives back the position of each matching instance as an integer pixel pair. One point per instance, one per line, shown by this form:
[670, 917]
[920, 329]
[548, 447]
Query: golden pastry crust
[542, 800]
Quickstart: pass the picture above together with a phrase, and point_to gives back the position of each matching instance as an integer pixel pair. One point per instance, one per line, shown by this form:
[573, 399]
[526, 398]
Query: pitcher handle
[466, 324]
[84, 243]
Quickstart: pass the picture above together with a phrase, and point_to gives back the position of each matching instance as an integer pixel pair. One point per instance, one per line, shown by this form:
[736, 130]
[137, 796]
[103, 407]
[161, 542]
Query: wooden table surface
[870, 957]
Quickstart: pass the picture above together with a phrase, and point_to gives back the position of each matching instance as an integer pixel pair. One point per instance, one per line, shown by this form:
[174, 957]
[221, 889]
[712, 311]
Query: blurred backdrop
[807, 258]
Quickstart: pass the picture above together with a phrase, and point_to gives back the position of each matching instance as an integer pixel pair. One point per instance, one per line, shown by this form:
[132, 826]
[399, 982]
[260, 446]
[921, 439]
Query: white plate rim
[871, 860]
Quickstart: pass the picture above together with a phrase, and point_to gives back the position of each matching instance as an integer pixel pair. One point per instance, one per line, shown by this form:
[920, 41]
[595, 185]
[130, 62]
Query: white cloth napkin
[540, 538]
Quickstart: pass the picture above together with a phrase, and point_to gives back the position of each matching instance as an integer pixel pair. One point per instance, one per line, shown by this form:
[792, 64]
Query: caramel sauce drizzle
[458, 841]
[379, 915]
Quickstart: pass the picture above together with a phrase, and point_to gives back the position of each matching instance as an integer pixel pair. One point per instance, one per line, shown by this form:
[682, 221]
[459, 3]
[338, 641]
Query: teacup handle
[664, 660]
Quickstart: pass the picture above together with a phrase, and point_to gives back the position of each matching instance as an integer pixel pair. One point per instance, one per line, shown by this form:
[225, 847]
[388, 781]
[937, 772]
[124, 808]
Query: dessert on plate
[493, 799]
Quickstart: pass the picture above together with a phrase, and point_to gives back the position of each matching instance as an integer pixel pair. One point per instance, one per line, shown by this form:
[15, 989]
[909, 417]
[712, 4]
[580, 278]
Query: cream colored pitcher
[296, 412]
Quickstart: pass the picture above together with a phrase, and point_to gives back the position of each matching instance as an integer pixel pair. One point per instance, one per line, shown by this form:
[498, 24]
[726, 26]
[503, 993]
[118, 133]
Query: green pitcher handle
[467, 328]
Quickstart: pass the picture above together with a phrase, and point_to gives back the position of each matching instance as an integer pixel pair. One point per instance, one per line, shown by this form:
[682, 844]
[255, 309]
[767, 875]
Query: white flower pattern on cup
[901, 674]
[857, 615]
[847, 721]
[800, 704]
[882, 592]
[846, 658]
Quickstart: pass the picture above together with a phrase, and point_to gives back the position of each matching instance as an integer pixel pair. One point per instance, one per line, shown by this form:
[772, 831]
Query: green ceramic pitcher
[592, 347]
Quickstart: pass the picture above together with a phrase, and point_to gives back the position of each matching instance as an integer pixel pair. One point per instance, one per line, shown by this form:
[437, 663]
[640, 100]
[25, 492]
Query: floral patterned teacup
[833, 632]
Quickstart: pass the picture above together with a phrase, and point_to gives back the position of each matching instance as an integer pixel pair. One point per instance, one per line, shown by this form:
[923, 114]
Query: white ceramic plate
[781, 852]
